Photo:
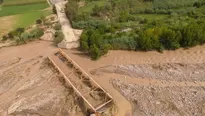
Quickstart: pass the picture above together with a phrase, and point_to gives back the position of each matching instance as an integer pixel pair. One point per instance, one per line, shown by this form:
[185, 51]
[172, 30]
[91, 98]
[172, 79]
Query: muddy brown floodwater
[141, 83]
[168, 84]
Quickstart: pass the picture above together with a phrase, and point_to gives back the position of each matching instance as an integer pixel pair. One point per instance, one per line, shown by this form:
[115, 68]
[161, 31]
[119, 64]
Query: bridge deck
[90, 91]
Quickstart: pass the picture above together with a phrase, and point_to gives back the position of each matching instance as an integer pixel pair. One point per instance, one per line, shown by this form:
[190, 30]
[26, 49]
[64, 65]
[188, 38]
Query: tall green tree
[169, 39]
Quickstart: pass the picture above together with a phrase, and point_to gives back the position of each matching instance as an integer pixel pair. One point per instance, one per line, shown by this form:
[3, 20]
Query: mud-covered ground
[168, 84]
[34, 88]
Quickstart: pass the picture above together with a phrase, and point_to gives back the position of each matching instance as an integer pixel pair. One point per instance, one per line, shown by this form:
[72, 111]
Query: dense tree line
[71, 9]
[97, 42]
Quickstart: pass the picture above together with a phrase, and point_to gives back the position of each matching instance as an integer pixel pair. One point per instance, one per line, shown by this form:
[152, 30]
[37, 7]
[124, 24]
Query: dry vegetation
[5, 27]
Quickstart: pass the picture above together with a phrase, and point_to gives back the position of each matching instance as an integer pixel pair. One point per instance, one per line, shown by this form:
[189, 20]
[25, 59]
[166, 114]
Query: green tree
[169, 39]
[144, 42]
[106, 48]
[54, 9]
[95, 52]
[95, 38]
[84, 42]
[59, 36]
[124, 16]
[71, 9]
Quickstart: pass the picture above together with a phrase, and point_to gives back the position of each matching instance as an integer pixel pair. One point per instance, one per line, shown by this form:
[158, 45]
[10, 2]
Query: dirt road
[55, 1]
[70, 40]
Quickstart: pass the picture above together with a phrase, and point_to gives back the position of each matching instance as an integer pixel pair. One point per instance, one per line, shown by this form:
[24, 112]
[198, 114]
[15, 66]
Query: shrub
[106, 48]
[125, 42]
[4, 38]
[25, 36]
[59, 36]
[84, 42]
[57, 26]
[54, 9]
[16, 32]
[94, 52]
[20, 30]
[149, 11]
[169, 39]
[19, 41]
[39, 21]
[36, 33]
[84, 46]
[10, 35]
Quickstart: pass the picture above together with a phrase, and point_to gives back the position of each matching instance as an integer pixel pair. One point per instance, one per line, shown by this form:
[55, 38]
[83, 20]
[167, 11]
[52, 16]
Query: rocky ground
[172, 89]
[166, 71]
[163, 101]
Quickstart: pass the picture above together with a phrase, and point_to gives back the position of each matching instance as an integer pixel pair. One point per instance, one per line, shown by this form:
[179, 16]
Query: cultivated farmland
[19, 9]
[25, 13]
[22, 2]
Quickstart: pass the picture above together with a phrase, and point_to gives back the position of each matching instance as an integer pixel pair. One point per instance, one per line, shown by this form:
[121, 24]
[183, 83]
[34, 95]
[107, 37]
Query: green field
[24, 13]
[26, 19]
[88, 7]
[21, 2]
[19, 9]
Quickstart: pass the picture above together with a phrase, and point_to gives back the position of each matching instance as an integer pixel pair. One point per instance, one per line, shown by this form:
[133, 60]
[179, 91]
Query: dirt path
[55, 1]
[70, 40]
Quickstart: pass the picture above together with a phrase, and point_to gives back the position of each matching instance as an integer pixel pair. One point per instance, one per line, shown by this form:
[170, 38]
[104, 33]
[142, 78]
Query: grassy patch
[13, 10]
[27, 19]
[88, 7]
[153, 17]
[21, 2]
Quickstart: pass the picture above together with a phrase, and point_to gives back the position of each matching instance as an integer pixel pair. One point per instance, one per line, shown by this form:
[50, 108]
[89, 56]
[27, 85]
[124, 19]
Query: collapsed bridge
[88, 89]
